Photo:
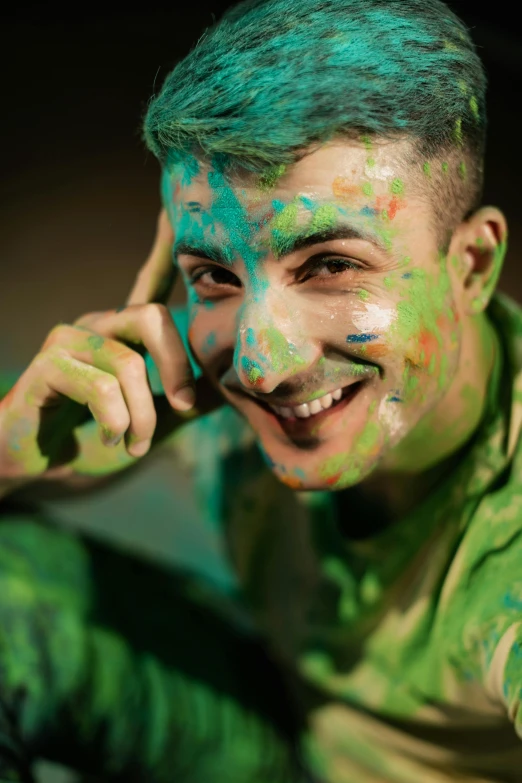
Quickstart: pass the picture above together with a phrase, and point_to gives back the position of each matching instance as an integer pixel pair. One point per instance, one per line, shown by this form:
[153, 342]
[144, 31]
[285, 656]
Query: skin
[97, 363]
[385, 304]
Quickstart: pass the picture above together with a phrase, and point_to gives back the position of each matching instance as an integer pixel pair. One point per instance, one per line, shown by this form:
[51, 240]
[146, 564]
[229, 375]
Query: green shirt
[403, 651]
[408, 645]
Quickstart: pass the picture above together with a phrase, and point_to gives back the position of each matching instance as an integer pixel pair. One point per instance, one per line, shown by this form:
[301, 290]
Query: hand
[95, 365]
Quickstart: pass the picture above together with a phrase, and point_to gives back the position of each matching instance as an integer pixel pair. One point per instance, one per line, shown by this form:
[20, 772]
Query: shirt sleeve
[108, 666]
[489, 608]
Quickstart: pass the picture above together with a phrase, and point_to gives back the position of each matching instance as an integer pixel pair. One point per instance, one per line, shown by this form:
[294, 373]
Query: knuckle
[133, 367]
[41, 360]
[155, 314]
[87, 319]
[106, 386]
[57, 335]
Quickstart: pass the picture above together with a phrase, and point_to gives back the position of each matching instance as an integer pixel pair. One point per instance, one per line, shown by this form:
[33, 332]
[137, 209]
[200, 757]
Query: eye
[328, 266]
[214, 276]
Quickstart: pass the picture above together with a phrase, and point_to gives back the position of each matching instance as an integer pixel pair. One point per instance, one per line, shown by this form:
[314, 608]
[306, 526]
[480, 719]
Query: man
[321, 175]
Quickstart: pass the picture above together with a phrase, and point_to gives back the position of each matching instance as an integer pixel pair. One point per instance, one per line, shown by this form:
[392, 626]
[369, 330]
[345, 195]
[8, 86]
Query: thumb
[156, 278]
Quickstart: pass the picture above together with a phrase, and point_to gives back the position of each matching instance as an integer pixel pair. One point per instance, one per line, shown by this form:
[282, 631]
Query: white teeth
[326, 401]
[315, 406]
[307, 409]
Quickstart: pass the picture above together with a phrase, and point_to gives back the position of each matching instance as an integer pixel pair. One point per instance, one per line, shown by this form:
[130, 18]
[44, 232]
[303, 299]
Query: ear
[477, 251]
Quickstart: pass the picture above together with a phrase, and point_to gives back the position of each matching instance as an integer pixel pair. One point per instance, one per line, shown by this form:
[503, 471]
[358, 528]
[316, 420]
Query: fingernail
[184, 398]
[110, 440]
[139, 449]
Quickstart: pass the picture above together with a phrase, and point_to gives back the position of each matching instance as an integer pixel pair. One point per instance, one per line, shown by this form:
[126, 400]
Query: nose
[271, 346]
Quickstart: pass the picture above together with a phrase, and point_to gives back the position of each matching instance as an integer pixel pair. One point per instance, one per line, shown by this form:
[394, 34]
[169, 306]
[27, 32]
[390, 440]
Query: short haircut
[275, 77]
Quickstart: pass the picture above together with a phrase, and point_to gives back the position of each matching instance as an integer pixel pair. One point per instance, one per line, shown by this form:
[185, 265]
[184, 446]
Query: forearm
[124, 675]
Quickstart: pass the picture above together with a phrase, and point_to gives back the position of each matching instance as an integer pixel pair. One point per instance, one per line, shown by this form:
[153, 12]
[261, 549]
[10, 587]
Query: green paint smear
[280, 353]
[457, 133]
[427, 169]
[364, 295]
[255, 374]
[269, 178]
[323, 218]
[397, 187]
[96, 342]
[473, 105]
[367, 189]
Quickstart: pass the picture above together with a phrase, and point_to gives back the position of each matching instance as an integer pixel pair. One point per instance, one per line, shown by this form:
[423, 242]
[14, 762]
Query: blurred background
[79, 199]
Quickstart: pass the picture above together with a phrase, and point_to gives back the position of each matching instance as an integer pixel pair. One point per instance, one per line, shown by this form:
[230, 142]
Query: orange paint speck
[376, 350]
[292, 482]
[344, 188]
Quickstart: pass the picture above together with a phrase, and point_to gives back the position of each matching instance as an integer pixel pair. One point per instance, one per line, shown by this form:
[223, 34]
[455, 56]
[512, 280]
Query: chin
[333, 450]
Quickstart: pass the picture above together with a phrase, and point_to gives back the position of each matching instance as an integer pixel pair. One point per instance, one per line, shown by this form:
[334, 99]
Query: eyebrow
[287, 245]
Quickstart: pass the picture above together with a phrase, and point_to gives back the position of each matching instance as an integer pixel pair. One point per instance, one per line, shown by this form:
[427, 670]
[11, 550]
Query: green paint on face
[342, 469]
[268, 180]
[283, 228]
[278, 351]
[370, 162]
[443, 371]
[367, 143]
[427, 169]
[286, 220]
[462, 171]
[255, 375]
[389, 282]
[397, 187]
[367, 189]
[364, 295]
[444, 167]
[323, 218]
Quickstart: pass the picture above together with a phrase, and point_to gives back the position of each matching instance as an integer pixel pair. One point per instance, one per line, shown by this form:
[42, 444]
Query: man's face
[319, 304]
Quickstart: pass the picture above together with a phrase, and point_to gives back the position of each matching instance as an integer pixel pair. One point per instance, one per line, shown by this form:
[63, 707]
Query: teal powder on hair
[273, 78]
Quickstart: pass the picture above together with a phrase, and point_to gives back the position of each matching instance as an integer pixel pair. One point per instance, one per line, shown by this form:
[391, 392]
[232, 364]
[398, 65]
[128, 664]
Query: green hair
[273, 78]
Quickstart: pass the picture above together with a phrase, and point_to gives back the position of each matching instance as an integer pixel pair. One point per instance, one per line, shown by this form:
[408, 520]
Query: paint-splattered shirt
[408, 645]
[406, 648]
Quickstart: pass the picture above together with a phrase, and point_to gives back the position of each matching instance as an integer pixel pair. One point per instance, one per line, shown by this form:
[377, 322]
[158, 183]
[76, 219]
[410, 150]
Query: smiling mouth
[303, 417]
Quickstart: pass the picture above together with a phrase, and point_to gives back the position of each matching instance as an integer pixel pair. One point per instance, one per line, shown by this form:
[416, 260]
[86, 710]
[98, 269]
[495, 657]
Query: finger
[157, 276]
[128, 367]
[152, 326]
[55, 372]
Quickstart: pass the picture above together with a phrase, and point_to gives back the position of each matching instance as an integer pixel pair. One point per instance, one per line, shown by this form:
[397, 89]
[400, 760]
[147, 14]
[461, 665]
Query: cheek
[211, 331]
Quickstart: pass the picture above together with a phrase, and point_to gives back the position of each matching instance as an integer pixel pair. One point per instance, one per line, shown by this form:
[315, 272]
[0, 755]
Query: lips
[298, 423]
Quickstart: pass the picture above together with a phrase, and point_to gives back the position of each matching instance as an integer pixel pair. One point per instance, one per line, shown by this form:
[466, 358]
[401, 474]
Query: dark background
[79, 197]
[79, 193]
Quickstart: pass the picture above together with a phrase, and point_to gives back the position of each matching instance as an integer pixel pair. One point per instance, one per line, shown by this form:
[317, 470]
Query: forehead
[372, 186]
[324, 173]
